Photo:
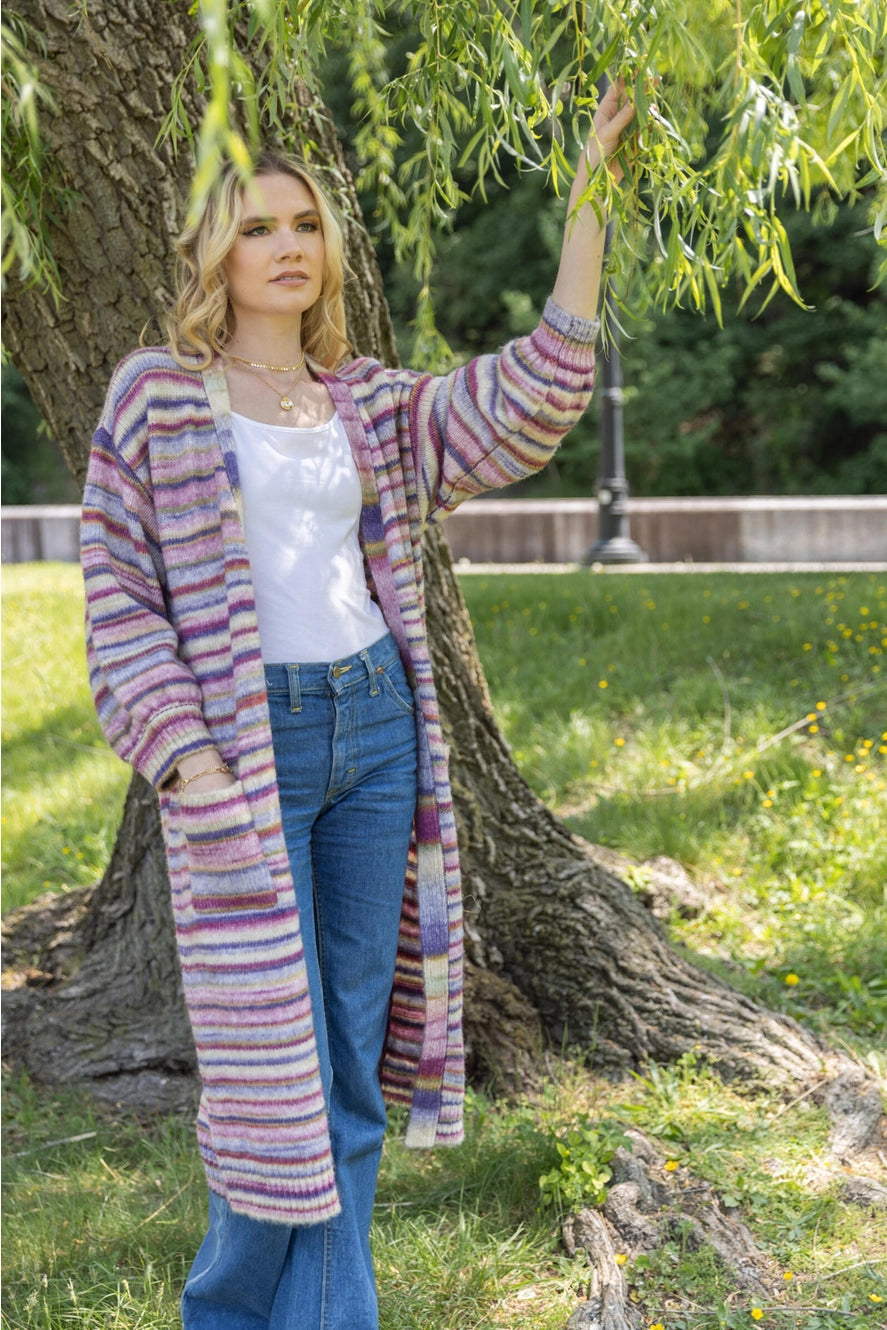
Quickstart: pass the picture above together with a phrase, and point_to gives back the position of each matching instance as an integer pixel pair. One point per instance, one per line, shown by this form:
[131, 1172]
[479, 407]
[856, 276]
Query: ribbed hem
[281, 1209]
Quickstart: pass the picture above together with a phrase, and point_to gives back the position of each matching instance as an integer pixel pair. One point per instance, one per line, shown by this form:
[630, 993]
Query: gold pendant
[286, 403]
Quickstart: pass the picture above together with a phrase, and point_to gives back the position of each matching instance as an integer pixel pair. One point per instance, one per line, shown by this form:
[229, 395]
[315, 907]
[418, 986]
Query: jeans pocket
[395, 684]
[227, 868]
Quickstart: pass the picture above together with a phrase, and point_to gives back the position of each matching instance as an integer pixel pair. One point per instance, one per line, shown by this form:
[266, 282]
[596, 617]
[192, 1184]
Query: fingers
[616, 106]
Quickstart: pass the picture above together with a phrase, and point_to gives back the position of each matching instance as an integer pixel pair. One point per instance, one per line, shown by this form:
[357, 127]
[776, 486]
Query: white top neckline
[288, 429]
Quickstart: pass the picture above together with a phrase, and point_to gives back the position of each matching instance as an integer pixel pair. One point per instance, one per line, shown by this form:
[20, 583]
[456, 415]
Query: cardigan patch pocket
[227, 868]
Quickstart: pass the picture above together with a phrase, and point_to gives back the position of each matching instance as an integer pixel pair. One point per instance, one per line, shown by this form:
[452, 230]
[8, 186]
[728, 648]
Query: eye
[258, 230]
[309, 226]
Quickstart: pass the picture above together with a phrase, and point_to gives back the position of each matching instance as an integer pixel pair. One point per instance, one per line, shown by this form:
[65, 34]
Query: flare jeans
[345, 750]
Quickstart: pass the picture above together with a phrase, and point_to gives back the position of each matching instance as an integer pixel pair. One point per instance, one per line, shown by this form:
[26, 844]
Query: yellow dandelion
[603, 683]
[671, 1165]
[812, 729]
[792, 979]
[757, 1314]
[875, 1297]
[620, 1258]
[749, 775]
[821, 706]
[808, 646]
[816, 774]
[787, 1274]
[767, 803]
[620, 743]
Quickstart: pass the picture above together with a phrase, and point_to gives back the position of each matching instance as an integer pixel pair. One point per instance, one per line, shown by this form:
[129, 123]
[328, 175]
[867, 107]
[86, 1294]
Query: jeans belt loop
[372, 674]
[295, 691]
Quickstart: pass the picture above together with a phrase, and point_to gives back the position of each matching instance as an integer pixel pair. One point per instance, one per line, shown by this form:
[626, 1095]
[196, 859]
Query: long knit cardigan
[175, 667]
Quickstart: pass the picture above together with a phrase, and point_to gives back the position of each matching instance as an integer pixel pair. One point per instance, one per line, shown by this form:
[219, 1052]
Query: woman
[255, 629]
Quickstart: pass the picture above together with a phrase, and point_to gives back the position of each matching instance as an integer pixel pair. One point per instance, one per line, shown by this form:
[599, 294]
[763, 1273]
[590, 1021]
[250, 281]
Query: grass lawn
[735, 722]
[63, 788]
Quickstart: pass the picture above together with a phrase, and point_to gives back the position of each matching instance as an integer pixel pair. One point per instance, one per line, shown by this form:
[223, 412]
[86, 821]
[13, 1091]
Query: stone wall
[752, 530]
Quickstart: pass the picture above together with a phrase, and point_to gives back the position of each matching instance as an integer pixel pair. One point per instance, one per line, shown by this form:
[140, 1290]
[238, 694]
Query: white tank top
[301, 511]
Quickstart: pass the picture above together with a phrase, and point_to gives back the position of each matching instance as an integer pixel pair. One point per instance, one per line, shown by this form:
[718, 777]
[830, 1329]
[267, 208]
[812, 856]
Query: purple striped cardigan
[175, 667]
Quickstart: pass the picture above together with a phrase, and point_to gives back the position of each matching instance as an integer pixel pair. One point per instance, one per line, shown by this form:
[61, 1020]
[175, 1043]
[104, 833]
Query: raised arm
[577, 288]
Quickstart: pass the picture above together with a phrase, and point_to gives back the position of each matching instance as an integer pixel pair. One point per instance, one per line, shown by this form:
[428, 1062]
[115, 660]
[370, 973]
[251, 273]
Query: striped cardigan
[175, 667]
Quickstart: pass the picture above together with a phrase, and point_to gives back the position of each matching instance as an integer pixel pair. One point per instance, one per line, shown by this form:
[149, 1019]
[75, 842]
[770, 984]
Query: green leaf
[839, 105]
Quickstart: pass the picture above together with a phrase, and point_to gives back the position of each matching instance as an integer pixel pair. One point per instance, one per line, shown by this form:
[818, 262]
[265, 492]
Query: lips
[286, 278]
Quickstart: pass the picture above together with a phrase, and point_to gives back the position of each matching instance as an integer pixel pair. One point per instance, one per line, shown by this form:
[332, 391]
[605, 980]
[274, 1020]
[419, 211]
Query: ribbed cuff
[570, 326]
[173, 733]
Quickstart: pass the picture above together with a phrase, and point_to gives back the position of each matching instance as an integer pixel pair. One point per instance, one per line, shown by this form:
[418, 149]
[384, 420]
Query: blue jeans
[345, 751]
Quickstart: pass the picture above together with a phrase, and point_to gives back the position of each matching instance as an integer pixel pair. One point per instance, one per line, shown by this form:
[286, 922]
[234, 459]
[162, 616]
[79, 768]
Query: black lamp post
[614, 544]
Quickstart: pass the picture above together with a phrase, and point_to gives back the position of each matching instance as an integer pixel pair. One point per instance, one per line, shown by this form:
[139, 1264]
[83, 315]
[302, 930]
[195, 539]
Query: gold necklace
[258, 364]
[286, 402]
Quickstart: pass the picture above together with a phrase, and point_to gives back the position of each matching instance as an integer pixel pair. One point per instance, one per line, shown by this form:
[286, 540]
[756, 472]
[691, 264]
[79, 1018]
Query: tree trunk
[557, 944]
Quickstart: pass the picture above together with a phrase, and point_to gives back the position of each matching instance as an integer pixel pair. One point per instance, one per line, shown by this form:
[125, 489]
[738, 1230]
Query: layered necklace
[286, 402]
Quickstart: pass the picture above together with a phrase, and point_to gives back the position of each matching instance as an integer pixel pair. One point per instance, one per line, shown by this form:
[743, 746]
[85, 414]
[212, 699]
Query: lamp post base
[619, 549]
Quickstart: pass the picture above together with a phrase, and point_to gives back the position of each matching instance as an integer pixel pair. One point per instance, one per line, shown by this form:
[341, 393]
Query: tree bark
[557, 944]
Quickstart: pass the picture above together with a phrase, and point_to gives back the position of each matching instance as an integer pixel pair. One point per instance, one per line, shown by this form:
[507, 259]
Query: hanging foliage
[740, 105]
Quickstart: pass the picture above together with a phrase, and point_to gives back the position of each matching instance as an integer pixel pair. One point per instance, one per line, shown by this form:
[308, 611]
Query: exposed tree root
[854, 1104]
[648, 1206]
[607, 1307]
[645, 1208]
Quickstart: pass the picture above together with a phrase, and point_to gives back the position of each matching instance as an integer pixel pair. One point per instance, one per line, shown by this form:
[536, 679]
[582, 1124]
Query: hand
[613, 116]
[197, 763]
[577, 287]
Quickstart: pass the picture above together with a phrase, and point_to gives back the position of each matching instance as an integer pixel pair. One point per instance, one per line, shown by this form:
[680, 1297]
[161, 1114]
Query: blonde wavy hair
[200, 322]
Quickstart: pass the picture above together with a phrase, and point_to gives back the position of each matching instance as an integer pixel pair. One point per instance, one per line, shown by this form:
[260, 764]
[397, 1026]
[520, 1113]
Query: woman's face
[275, 266]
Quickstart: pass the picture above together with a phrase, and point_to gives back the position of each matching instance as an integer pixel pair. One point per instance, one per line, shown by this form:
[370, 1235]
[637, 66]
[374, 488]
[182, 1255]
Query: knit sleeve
[148, 701]
[501, 417]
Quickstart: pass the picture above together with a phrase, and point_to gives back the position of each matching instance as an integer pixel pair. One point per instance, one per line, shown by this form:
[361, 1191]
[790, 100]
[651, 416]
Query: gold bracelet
[210, 771]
